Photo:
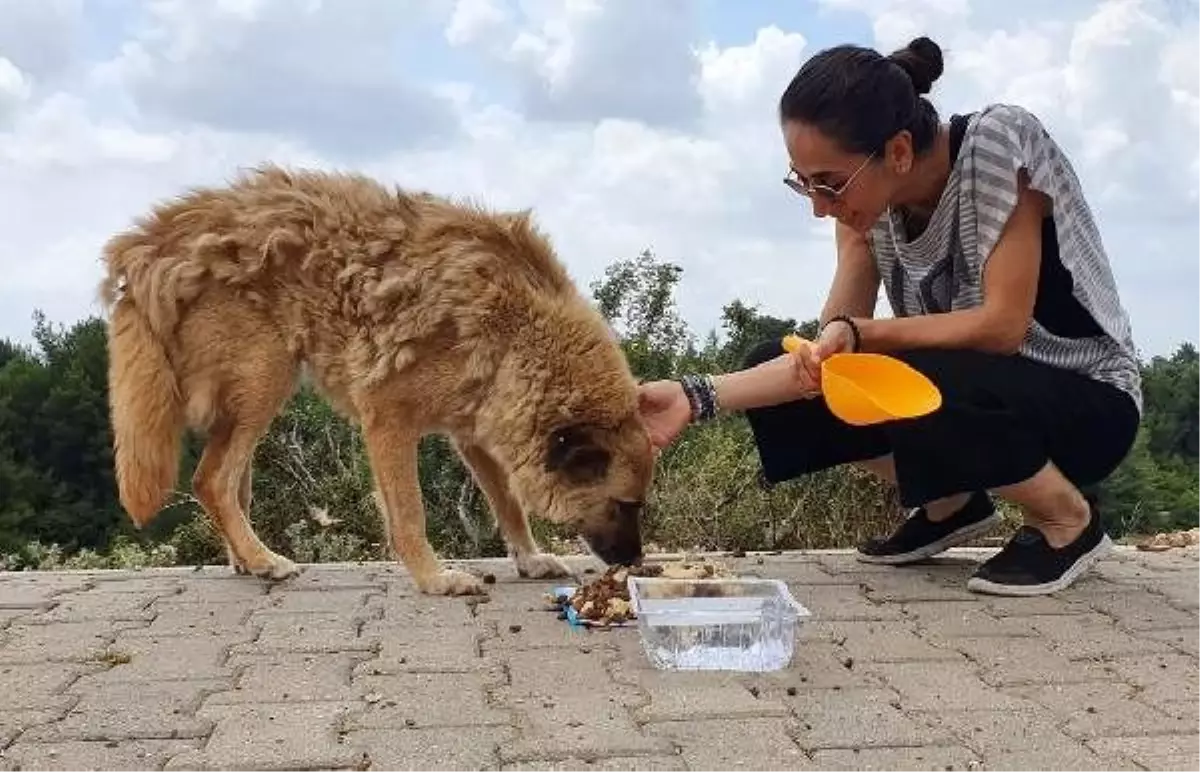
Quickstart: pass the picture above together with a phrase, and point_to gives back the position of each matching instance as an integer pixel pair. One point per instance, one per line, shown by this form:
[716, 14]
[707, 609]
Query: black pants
[1002, 418]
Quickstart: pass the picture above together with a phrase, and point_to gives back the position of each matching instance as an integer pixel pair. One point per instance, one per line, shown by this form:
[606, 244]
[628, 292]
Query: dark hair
[862, 98]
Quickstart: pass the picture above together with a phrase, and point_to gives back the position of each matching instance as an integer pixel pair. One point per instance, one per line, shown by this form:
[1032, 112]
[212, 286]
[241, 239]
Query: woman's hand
[837, 337]
[665, 411]
[805, 370]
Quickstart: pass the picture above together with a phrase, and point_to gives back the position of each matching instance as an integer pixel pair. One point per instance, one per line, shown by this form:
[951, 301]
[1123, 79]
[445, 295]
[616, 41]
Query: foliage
[313, 490]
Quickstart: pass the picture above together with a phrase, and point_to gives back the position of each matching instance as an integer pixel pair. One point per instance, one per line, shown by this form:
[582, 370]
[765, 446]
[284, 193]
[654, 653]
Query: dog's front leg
[531, 562]
[392, 450]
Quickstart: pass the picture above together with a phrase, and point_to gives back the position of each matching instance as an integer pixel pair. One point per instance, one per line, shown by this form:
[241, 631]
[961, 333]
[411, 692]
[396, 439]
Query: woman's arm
[1010, 280]
[853, 292]
[855, 287]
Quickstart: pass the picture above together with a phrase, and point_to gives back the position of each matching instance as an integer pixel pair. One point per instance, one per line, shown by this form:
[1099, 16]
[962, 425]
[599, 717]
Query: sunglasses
[815, 189]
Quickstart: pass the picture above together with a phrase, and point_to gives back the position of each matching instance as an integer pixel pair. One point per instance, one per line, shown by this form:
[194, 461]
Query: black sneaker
[1028, 565]
[919, 538]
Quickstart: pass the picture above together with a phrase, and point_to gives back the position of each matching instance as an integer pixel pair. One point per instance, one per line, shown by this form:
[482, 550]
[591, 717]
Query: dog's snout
[630, 510]
[619, 540]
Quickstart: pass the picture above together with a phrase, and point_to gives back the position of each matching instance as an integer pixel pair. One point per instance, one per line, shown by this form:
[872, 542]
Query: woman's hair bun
[922, 60]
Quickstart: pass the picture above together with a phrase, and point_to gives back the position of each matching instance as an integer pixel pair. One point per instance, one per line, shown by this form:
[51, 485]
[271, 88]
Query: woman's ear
[898, 152]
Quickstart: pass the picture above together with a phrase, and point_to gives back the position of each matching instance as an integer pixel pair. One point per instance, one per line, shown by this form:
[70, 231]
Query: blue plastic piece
[572, 615]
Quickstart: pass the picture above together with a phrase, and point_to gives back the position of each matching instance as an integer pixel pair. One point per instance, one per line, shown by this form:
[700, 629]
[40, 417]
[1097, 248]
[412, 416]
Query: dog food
[605, 599]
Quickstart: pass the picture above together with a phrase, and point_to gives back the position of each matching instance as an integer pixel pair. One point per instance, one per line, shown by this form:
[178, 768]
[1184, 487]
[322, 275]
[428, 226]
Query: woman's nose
[822, 207]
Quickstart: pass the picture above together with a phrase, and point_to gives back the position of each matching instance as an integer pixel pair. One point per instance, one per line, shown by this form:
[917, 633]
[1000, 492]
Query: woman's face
[852, 188]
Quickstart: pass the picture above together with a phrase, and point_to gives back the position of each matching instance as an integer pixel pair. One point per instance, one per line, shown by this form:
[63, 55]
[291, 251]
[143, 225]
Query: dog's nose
[630, 511]
[619, 553]
[619, 542]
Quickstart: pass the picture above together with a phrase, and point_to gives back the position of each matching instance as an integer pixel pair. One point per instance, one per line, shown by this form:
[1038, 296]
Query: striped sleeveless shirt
[941, 270]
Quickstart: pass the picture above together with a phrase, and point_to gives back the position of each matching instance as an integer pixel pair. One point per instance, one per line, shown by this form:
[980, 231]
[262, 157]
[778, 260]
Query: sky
[624, 125]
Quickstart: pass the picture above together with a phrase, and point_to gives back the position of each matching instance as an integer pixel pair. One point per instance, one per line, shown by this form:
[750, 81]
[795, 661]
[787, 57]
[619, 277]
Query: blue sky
[623, 125]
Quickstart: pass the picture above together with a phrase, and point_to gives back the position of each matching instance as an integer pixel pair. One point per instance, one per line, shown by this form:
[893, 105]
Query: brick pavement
[347, 667]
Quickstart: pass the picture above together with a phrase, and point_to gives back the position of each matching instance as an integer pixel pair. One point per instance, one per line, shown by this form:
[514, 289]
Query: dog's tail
[146, 413]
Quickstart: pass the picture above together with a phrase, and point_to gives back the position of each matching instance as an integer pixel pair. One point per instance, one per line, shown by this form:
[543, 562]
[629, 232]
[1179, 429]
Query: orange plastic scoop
[863, 389]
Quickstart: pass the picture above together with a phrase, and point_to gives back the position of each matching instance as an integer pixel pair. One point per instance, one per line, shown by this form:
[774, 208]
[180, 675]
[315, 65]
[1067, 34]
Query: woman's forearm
[770, 383]
[973, 328]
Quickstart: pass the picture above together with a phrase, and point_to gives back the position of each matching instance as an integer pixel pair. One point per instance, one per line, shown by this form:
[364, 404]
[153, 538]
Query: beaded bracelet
[702, 396]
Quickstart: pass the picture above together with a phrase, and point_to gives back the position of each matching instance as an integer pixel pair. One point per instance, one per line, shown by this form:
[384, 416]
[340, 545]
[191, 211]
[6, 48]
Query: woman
[1001, 294]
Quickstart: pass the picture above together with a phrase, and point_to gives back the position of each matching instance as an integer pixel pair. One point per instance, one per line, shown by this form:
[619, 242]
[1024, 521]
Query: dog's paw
[272, 566]
[236, 564]
[451, 583]
[540, 565]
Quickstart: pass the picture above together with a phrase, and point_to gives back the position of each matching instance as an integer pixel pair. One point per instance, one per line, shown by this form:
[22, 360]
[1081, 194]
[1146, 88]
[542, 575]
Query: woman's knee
[763, 352]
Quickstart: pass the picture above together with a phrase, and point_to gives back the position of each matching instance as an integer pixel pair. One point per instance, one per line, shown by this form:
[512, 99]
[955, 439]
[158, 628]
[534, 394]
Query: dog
[412, 314]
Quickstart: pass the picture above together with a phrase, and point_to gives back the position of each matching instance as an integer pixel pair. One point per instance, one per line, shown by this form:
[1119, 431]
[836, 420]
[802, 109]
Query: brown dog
[413, 315]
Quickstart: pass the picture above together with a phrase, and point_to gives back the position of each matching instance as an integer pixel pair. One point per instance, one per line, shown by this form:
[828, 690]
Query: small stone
[373, 697]
[791, 691]
[489, 578]
[514, 629]
[410, 722]
[1091, 709]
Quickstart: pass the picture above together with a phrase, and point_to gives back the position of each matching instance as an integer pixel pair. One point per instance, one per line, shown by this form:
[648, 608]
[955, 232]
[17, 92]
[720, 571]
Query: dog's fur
[412, 314]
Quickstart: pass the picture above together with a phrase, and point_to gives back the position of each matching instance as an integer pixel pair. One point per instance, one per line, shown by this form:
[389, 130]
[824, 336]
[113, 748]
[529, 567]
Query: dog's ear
[573, 451]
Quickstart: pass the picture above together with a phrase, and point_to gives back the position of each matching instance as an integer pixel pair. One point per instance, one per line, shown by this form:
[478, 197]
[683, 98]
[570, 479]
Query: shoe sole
[1086, 561]
[952, 539]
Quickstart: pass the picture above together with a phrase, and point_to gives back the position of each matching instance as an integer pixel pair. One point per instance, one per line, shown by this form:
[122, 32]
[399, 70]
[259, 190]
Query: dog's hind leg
[218, 483]
[392, 450]
[531, 562]
[253, 385]
[245, 496]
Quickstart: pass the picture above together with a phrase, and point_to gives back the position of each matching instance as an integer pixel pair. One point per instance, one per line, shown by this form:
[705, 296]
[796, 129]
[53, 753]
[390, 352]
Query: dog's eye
[574, 452]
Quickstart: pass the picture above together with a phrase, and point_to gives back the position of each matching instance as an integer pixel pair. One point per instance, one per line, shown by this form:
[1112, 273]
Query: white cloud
[895, 22]
[740, 81]
[624, 124]
[323, 72]
[40, 37]
[15, 89]
[586, 60]
[476, 21]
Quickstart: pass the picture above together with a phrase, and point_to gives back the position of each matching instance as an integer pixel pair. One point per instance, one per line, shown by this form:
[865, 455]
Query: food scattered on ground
[1164, 541]
[605, 600]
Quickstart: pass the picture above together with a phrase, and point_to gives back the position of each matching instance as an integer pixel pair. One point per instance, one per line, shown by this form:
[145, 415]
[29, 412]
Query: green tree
[638, 299]
[56, 477]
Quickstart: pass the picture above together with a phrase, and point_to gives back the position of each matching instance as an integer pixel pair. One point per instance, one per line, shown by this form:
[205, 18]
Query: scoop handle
[793, 342]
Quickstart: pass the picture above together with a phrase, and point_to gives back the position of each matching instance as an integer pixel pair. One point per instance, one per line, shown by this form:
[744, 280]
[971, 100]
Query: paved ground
[346, 667]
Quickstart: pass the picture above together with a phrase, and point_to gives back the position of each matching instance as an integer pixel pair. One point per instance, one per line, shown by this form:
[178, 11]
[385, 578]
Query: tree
[56, 475]
[746, 328]
[638, 298]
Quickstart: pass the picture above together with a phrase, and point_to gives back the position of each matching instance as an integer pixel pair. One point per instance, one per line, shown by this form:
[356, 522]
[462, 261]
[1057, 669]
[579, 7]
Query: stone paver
[349, 667]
